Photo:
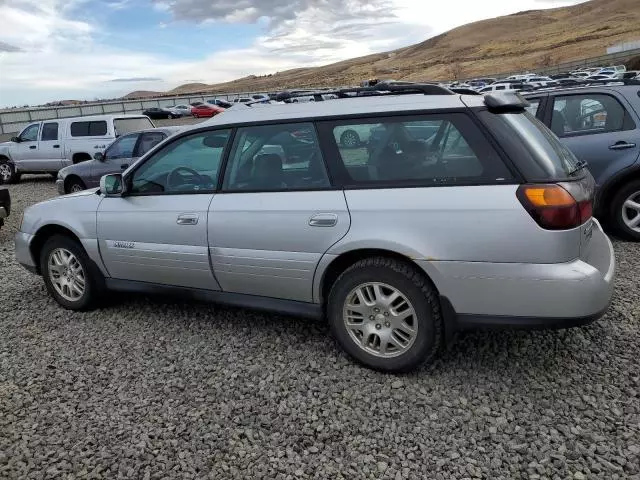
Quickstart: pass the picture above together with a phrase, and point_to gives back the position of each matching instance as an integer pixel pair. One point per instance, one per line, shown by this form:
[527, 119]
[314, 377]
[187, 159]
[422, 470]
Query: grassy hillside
[522, 41]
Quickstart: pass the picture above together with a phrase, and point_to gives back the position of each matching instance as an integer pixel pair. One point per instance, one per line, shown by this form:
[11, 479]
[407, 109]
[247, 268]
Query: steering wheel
[174, 180]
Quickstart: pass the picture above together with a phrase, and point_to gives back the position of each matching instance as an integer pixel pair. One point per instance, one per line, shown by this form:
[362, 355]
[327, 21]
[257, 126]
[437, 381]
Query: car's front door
[157, 232]
[598, 128]
[48, 156]
[275, 216]
[24, 153]
[116, 158]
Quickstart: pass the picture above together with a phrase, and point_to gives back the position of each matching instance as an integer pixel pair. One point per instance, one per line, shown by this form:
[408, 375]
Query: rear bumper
[23, 251]
[527, 296]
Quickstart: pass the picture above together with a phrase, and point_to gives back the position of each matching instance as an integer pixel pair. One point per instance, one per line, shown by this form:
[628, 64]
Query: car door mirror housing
[99, 156]
[16, 139]
[112, 185]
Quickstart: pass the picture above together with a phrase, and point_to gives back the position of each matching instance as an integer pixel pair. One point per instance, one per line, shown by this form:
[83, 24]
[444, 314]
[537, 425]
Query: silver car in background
[116, 158]
[465, 212]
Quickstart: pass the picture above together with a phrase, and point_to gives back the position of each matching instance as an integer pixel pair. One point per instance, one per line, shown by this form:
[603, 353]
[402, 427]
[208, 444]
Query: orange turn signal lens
[548, 196]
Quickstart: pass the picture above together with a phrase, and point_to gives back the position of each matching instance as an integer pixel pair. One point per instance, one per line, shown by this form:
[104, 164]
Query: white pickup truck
[50, 145]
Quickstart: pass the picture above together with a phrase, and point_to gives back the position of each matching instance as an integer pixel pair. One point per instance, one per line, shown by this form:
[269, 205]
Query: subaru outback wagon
[479, 218]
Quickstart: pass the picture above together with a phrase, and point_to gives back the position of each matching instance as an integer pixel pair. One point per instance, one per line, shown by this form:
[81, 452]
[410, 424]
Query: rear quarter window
[123, 126]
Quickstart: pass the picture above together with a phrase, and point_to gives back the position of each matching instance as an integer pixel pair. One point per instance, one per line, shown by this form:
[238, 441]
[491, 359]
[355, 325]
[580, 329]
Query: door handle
[323, 220]
[622, 146]
[56, 146]
[187, 219]
[32, 147]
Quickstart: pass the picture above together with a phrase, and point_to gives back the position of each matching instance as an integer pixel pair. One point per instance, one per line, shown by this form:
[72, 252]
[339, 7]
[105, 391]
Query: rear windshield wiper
[580, 164]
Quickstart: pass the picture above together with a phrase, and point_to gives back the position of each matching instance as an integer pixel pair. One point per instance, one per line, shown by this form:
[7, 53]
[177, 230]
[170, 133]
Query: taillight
[558, 206]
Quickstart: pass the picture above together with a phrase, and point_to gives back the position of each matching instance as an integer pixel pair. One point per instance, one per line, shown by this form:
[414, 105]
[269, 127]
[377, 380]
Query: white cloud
[59, 56]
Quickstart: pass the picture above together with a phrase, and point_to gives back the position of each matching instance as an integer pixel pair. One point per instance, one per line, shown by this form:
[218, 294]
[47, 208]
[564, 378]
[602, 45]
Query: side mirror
[99, 156]
[112, 185]
[16, 139]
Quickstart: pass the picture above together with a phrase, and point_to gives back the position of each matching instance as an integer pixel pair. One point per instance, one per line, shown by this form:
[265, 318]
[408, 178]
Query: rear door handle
[323, 220]
[622, 146]
[32, 147]
[56, 146]
[187, 219]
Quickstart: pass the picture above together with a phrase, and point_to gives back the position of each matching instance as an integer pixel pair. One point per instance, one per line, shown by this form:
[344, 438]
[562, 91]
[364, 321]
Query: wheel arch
[43, 234]
[332, 266]
[608, 191]
[80, 157]
[71, 177]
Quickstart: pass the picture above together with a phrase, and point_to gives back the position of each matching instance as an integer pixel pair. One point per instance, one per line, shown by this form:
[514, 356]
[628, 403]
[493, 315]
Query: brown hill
[522, 41]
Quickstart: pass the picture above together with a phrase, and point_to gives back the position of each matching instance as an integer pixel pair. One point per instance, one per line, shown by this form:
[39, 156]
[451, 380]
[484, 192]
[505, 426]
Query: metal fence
[14, 120]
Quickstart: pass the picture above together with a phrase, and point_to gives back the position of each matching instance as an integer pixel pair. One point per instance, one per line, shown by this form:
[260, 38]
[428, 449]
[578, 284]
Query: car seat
[267, 173]
[558, 123]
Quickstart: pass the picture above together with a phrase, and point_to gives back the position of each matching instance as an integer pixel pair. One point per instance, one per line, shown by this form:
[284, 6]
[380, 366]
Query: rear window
[123, 126]
[89, 129]
[532, 146]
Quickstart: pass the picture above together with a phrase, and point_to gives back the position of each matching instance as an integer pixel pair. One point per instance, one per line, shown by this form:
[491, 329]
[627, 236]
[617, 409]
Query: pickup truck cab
[50, 145]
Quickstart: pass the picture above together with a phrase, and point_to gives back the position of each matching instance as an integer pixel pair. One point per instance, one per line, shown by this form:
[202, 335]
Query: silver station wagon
[456, 212]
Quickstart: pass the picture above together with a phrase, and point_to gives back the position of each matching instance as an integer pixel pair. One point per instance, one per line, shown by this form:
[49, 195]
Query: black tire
[408, 280]
[94, 281]
[350, 139]
[616, 218]
[10, 176]
[74, 185]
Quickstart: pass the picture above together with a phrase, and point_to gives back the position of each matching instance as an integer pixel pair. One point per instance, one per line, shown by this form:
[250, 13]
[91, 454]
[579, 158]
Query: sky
[87, 49]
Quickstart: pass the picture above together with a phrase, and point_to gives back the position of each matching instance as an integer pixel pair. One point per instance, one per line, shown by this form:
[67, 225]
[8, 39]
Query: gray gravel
[150, 388]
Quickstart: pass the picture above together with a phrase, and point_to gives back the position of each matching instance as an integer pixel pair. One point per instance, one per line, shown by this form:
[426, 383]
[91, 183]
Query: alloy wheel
[631, 212]
[66, 274]
[5, 172]
[380, 319]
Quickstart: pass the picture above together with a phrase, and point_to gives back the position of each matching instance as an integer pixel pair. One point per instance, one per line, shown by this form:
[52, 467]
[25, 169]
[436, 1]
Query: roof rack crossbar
[380, 89]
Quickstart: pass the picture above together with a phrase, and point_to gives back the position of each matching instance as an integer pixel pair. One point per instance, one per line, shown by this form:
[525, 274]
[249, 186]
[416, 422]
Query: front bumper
[60, 186]
[478, 294]
[23, 251]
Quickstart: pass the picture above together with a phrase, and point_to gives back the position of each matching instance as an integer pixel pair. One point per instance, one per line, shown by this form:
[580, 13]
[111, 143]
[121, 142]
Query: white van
[50, 145]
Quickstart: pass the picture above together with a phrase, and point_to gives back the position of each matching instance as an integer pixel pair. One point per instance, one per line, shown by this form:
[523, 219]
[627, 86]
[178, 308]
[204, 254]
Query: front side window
[434, 150]
[189, 165]
[49, 131]
[276, 157]
[122, 148]
[88, 129]
[589, 113]
[534, 103]
[30, 134]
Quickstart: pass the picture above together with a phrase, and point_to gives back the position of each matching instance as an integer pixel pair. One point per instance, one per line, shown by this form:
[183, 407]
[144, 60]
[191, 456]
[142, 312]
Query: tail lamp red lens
[555, 207]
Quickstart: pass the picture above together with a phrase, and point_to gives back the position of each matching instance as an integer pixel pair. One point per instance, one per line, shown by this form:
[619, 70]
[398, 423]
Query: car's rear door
[600, 128]
[275, 216]
[50, 151]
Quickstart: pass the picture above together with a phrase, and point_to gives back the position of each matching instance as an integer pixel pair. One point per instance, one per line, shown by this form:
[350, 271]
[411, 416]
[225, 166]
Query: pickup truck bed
[5, 204]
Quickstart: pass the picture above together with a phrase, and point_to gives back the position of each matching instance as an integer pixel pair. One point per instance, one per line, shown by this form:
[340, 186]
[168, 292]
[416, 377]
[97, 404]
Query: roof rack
[589, 83]
[379, 89]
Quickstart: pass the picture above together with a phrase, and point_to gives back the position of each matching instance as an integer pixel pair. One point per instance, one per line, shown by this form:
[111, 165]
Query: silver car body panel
[154, 247]
[264, 243]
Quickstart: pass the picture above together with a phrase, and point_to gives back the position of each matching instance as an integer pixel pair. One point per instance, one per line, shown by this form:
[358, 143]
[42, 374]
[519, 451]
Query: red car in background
[206, 110]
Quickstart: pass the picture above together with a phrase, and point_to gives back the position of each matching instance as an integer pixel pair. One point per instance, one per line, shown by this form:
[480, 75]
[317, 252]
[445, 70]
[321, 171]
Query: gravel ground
[149, 388]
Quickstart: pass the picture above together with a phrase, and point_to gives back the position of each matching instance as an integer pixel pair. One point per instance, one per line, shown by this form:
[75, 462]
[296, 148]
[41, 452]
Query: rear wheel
[626, 211]
[68, 273]
[7, 171]
[385, 314]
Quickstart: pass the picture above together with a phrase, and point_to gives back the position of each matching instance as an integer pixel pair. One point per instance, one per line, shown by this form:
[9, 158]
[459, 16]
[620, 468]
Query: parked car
[486, 223]
[5, 204]
[181, 110]
[50, 145]
[206, 110]
[220, 103]
[506, 86]
[158, 113]
[117, 157]
[600, 125]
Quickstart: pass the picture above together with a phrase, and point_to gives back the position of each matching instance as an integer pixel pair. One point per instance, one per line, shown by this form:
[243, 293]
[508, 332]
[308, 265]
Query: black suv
[601, 125]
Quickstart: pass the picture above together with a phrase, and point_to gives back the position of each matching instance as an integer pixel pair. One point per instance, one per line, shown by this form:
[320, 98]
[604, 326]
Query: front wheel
[626, 211]
[69, 274]
[385, 314]
[75, 185]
